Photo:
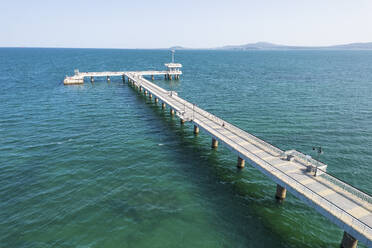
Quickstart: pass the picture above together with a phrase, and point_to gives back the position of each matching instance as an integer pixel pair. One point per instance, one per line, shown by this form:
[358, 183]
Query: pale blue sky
[197, 24]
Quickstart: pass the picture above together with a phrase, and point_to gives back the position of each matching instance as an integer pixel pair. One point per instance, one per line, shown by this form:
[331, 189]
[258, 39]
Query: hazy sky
[165, 23]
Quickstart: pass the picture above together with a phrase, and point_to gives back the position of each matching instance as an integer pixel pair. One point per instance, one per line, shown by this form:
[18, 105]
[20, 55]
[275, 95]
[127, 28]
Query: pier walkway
[304, 177]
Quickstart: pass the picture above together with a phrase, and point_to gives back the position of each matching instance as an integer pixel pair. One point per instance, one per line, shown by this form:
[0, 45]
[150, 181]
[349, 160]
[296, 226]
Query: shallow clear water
[100, 166]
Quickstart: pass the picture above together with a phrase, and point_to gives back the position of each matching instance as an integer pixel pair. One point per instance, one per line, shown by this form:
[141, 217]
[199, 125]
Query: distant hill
[271, 46]
[366, 45]
[177, 48]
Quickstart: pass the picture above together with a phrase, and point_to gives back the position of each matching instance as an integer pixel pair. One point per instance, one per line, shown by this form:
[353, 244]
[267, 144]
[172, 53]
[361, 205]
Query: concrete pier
[150, 96]
[92, 79]
[156, 100]
[163, 105]
[171, 111]
[348, 241]
[123, 78]
[108, 79]
[182, 121]
[214, 143]
[241, 163]
[281, 192]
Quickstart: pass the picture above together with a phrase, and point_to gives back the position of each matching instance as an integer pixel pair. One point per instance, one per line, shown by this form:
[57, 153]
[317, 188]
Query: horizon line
[198, 48]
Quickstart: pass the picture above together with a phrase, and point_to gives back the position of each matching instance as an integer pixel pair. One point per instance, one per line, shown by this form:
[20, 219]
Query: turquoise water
[99, 165]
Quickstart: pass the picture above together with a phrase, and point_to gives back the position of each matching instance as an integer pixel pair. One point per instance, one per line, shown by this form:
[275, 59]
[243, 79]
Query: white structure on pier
[173, 68]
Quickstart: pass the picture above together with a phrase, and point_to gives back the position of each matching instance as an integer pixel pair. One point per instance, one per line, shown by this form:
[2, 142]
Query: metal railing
[347, 187]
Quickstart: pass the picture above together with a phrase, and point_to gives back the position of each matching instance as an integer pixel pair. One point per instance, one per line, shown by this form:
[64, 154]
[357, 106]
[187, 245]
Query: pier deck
[78, 78]
[306, 178]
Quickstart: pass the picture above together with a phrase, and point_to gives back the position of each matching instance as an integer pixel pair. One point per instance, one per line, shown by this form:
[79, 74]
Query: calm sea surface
[98, 165]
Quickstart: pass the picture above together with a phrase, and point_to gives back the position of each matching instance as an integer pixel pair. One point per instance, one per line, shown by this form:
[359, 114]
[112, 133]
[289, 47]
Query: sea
[100, 165]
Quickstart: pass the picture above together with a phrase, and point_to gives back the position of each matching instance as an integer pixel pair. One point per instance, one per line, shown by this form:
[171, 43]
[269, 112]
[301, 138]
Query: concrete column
[156, 100]
[163, 105]
[145, 92]
[241, 163]
[123, 77]
[108, 79]
[170, 77]
[281, 192]
[140, 88]
[348, 241]
[182, 121]
[171, 111]
[196, 129]
[150, 95]
[92, 79]
[214, 143]
[165, 76]
[152, 77]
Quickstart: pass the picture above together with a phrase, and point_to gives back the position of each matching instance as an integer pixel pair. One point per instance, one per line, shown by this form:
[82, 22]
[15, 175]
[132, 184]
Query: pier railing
[347, 187]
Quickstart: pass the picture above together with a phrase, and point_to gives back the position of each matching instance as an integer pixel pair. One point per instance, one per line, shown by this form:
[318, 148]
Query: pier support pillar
[281, 192]
[150, 96]
[165, 77]
[152, 77]
[241, 163]
[163, 105]
[182, 121]
[145, 92]
[92, 79]
[140, 88]
[214, 143]
[108, 79]
[171, 111]
[348, 241]
[156, 100]
[123, 77]
[170, 77]
[196, 129]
